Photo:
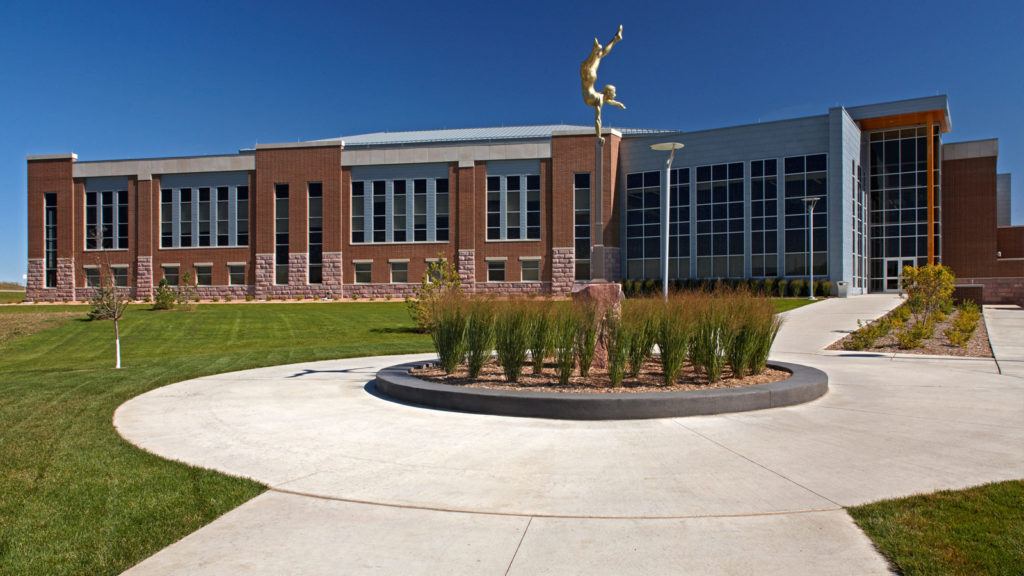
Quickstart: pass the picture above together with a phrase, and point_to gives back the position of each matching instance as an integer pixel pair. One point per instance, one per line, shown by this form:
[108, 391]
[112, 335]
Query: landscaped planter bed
[803, 385]
[977, 347]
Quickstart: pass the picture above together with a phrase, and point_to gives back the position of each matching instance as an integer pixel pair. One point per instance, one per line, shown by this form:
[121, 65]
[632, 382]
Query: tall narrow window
[316, 233]
[806, 177]
[185, 217]
[380, 216]
[358, 214]
[764, 219]
[643, 225]
[281, 233]
[398, 210]
[419, 207]
[50, 238]
[513, 207]
[166, 218]
[493, 207]
[92, 220]
[581, 234]
[441, 210]
[242, 215]
[223, 231]
[204, 216]
[122, 219]
[106, 219]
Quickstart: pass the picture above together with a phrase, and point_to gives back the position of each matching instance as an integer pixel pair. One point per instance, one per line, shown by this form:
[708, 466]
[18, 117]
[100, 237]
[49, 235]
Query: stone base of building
[513, 288]
[563, 271]
[999, 290]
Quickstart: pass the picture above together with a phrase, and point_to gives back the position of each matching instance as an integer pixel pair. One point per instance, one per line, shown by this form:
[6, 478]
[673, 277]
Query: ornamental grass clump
[616, 343]
[641, 320]
[587, 328]
[448, 332]
[674, 328]
[512, 339]
[753, 330]
[563, 343]
[710, 342]
[479, 334]
[540, 335]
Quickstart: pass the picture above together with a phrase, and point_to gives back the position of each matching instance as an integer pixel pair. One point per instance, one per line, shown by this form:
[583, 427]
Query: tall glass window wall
[201, 216]
[513, 207]
[50, 238]
[581, 225]
[806, 177]
[858, 223]
[399, 210]
[106, 220]
[764, 218]
[720, 214]
[899, 200]
[643, 224]
[281, 233]
[315, 223]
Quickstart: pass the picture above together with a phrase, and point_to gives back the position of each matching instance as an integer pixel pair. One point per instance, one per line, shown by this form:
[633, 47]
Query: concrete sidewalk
[360, 484]
[1005, 323]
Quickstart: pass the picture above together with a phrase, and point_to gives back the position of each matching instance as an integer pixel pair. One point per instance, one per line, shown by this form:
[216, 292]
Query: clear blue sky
[139, 79]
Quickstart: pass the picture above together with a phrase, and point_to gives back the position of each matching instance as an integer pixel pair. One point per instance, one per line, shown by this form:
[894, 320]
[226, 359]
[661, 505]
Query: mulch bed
[977, 347]
[650, 379]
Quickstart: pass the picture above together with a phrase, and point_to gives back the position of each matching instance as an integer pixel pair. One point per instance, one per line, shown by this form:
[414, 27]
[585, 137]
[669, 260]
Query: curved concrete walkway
[361, 484]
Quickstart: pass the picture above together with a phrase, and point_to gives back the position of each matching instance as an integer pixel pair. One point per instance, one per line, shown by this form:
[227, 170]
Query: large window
[316, 232]
[581, 233]
[513, 207]
[200, 216]
[720, 223]
[643, 224]
[106, 219]
[204, 274]
[496, 270]
[120, 274]
[92, 277]
[399, 271]
[899, 197]
[236, 274]
[363, 272]
[170, 274]
[806, 177]
[764, 221]
[280, 233]
[858, 222]
[50, 238]
[529, 269]
[400, 210]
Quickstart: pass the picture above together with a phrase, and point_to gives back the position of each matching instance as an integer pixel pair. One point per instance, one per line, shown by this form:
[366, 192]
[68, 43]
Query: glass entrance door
[894, 272]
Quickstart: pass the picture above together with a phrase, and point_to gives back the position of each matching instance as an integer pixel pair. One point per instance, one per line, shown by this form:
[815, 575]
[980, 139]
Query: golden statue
[588, 72]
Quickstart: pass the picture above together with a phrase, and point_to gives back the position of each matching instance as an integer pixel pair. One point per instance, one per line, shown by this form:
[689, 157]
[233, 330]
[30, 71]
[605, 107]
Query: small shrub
[388, 297]
[356, 297]
[147, 300]
[563, 342]
[827, 288]
[512, 339]
[797, 288]
[957, 337]
[164, 297]
[215, 299]
[372, 299]
[616, 342]
[249, 298]
[299, 297]
[783, 287]
[448, 333]
[769, 287]
[587, 324]
[440, 281]
[479, 335]
[228, 298]
[912, 336]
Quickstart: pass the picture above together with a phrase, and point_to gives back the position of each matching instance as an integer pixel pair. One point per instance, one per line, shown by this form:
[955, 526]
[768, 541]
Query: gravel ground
[978, 346]
[650, 379]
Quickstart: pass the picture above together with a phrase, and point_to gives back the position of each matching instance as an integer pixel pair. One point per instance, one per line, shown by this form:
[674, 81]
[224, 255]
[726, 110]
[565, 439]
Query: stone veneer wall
[563, 271]
[466, 267]
[34, 287]
[65, 279]
[513, 288]
[613, 263]
[144, 277]
[380, 290]
[264, 275]
[999, 290]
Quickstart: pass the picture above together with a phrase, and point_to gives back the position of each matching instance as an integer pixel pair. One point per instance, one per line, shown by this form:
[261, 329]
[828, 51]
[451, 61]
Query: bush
[440, 281]
[228, 298]
[215, 299]
[912, 336]
[797, 288]
[783, 287]
[164, 297]
[512, 339]
[186, 295]
[769, 287]
[616, 342]
[479, 335]
[587, 325]
[928, 288]
[448, 332]
[563, 342]
[248, 298]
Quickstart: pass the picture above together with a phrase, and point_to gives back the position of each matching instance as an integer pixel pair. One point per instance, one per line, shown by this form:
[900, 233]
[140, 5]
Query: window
[106, 219]
[495, 270]
[764, 221]
[400, 210]
[236, 274]
[50, 238]
[92, 277]
[280, 233]
[643, 224]
[513, 207]
[399, 272]
[363, 273]
[720, 247]
[581, 229]
[204, 274]
[316, 233]
[171, 274]
[120, 274]
[806, 177]
[530, 270]
[200, 216]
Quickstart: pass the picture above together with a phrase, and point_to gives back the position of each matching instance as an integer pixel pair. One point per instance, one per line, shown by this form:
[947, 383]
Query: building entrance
[894, 272]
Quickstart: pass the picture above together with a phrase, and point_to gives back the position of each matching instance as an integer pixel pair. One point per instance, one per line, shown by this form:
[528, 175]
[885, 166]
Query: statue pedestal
[605, 296]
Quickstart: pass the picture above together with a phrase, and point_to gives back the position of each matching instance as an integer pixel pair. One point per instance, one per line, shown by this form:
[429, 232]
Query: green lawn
[957, 532]
[787, 304]
[11, 297]
[77, 499]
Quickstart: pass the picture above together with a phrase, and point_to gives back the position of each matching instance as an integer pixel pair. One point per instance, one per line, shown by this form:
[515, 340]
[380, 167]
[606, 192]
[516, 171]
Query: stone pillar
[333, 275]
[605, 297]
[143, 277]
[65, 278]
[563, 270]
[613, 263]
[466, 267]
[298, 269]
[264, 275]
[35, 287]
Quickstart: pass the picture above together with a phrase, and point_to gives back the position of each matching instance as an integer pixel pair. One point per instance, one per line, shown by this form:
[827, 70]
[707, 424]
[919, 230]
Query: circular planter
[804, 384]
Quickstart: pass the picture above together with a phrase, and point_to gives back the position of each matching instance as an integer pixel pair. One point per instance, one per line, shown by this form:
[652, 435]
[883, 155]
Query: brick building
[516, 209]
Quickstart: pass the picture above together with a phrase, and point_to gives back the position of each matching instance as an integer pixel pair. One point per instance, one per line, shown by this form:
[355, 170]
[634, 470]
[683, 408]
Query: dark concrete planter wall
[804, 385]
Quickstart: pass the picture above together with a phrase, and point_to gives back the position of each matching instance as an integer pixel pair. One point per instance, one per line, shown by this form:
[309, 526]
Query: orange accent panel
[928, 117]
[931, 196]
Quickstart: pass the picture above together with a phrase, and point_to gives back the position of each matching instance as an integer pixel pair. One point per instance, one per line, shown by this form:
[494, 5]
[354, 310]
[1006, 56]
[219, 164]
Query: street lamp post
[810, 202]
[665, 181]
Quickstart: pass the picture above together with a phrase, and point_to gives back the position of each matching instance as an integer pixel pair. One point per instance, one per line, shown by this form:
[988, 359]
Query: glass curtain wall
[806, 177]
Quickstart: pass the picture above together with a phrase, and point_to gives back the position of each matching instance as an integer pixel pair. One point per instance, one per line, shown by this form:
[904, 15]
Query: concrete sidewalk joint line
[519, 545]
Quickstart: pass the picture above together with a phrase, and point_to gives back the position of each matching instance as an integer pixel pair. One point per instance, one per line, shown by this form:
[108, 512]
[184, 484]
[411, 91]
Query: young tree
[440, 281]
[109, 303]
